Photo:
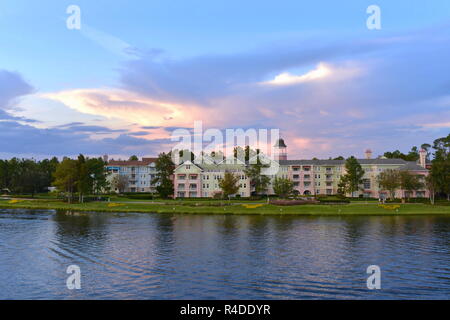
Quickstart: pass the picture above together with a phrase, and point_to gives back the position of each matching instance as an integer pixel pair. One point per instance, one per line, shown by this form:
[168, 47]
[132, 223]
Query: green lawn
[202, 207]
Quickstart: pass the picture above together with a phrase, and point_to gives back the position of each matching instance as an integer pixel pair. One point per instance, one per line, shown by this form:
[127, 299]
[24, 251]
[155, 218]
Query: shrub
[292, 202]
[218, 195]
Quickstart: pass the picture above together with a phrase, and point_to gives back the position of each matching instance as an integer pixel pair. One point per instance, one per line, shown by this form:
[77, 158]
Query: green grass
[203, 208]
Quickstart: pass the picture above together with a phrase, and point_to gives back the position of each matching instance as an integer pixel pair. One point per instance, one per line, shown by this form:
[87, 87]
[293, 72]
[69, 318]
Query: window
[366, 183]
[188, 167]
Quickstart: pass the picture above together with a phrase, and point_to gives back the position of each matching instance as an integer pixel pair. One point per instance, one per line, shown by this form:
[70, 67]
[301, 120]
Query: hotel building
[310, 177]
[138, 174]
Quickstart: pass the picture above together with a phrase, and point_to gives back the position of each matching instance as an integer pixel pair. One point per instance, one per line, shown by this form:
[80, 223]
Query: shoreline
[352, 209]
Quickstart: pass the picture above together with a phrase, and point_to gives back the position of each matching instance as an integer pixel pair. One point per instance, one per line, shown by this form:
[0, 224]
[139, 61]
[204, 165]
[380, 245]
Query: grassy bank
[233, 208]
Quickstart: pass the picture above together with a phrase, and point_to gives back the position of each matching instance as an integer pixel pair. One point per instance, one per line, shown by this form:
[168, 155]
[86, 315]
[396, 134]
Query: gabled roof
[342, 162]
[137, 163]
[188, 163]
[412, 166]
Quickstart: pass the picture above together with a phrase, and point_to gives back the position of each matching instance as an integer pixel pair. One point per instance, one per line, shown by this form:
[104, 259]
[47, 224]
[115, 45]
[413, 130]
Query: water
[151, 256]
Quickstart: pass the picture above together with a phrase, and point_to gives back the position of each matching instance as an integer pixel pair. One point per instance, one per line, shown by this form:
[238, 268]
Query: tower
[368, 154]
[423, 158]
[280, 150]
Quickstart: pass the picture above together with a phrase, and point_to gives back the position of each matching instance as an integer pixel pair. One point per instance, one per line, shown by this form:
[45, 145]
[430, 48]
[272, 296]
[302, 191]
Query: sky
[137, 70]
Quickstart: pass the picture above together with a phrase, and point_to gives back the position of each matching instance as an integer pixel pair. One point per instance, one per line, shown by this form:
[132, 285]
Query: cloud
[437, 125]
[109, 42]
[129, 106]
[12, 88]
[329, 98]
[287, 78]
[66, 142]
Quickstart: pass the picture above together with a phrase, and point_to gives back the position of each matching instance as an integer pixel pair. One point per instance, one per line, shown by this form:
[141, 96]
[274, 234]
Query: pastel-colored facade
[321, 177]
[310, 177]
[139, 174]
[195, 181]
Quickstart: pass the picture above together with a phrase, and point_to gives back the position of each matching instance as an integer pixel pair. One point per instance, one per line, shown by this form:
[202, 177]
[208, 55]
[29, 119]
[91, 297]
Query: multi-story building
[310, 177]
[138, 173]
[193, 180]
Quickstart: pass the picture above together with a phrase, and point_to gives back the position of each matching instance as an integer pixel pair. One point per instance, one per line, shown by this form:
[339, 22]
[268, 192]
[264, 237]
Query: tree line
[29, 176]
[85, 175]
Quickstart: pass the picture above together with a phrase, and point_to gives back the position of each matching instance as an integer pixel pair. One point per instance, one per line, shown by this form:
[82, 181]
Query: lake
[157, 256]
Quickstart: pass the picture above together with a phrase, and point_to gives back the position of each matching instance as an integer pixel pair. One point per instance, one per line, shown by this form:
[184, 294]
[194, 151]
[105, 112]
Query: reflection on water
[151, 256]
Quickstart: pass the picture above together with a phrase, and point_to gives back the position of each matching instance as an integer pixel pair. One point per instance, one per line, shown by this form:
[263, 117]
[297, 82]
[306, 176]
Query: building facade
[310, 177]
[138, 174]
[195, 181]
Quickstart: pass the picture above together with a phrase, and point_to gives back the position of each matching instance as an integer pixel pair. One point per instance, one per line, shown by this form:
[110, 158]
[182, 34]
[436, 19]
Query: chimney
[368, 154]
[423, 158]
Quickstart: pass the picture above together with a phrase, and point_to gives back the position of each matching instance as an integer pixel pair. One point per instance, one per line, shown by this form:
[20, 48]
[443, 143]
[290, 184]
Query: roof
[280, 144]
[412, 166]
[342, 162]
[137, 163]
[399, 163]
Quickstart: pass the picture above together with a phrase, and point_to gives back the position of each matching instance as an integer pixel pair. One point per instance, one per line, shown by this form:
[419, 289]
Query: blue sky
[164, 64]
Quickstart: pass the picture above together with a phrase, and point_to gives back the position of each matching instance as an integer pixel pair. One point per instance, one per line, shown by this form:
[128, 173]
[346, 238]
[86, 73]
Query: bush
[292, 202]
[218, 195]
[334, 201]
[138, 196]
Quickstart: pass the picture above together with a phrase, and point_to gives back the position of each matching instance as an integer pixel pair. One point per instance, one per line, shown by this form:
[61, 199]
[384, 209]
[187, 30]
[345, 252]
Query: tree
[229, 184]
[413, 155]
[97, 175]
[389, 180]
[409, 182]
[133, 158]
[431, 186]
[49, 168]
[119, 182]
[283, 187]
[164, 168]
[66, 176]
[426, 147]
[440, 166]
[259, 181]
[83, 179]
[5, 174]
[352, 179]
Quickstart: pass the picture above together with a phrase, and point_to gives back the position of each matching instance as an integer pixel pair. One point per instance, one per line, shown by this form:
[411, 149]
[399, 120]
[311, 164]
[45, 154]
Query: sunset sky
[136, 70]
